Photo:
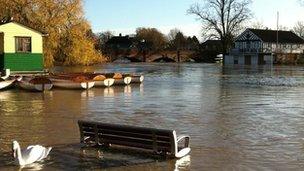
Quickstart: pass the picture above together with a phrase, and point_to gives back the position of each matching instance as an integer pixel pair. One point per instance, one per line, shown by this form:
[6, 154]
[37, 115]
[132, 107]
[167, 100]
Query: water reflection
[128, 90]
[234, 122]
[123, 157]
[112, 91]
[32, 167]
[109, 92]
[183, 163]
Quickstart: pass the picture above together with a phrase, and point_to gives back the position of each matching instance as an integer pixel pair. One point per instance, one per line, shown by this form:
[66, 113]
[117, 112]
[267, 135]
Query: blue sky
[124, 16]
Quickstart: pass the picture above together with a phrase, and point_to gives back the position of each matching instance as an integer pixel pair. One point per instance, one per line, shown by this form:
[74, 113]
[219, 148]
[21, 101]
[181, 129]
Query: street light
[143, 49]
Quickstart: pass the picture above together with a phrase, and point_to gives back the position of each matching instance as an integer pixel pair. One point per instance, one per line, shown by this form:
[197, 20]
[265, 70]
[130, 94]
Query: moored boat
[72, 82]
[124, 79]
[104, 83]
[138, 78]
[37, 83]
[121, 79]
[4, 84]
[100, 79]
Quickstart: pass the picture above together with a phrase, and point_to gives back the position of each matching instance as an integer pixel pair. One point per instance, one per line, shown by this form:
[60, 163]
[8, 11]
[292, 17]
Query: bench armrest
[186, 138]
[87, 140]
[185, 150]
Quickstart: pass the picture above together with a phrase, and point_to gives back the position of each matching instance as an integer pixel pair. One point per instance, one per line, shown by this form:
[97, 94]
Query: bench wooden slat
[130, 134]
[137, 135]
[149, 139]
[107, 137]
[127, 128]
[138, 145]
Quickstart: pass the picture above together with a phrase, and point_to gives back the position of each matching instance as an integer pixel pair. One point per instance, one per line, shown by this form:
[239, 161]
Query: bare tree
[258, 25]
[299, 29]
[177, 39]
[153, 37]
[103, 37]
[222, 19]
[172, 34]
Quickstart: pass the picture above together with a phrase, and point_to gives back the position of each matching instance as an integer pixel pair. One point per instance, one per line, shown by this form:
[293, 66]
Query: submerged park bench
[158, 141]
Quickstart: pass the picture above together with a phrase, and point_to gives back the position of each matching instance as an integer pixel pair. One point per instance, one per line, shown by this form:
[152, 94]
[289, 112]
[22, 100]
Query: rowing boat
[38, 83]
[72, 82]
[137, 78]
[5, 84]
[100, 79]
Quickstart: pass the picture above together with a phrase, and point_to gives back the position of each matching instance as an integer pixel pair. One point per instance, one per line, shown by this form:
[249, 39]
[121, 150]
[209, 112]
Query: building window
[23, 44]
[235, 60]
[247, 45]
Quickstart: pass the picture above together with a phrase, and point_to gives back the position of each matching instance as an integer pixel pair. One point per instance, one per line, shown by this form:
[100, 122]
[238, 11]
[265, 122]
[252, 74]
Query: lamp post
[143, 49]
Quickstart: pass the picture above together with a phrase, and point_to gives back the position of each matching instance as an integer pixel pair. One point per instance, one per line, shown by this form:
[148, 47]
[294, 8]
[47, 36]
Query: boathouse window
[23, 44]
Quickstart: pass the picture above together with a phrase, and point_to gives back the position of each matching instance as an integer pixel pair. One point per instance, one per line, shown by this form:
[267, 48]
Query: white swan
[29, 155]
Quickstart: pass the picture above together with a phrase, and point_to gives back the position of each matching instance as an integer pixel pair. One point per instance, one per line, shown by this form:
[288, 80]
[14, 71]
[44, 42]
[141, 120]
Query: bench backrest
[157, 140]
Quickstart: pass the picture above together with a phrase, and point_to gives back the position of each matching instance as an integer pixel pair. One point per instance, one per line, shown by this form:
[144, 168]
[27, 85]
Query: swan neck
[19, 156]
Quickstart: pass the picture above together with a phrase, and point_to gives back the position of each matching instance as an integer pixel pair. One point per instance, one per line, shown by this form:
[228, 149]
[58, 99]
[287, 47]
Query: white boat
[100, 80]
[129, 79]
[37, 83]
[108, 79]
[72, 81]
[137, 78]
[70, 84]
[105, 83]
[4, 84]
[123, 81]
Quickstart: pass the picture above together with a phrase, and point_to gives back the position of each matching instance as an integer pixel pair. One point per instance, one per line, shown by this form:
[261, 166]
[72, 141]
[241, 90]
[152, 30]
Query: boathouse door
[247, 60]
[261, 60]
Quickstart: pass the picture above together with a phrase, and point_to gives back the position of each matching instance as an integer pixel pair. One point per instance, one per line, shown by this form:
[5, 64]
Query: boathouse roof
[25, 26]
[283, 36]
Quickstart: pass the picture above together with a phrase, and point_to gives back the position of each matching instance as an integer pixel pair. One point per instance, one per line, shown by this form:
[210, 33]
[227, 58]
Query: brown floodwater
[238, 118]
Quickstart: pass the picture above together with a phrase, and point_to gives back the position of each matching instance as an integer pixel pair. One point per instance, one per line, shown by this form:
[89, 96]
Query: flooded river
[238, 118]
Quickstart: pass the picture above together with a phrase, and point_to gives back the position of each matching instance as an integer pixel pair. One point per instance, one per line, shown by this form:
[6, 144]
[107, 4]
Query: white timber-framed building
[260, 47]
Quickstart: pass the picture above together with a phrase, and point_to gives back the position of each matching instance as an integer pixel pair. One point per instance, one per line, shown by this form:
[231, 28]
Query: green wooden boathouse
[21, 48]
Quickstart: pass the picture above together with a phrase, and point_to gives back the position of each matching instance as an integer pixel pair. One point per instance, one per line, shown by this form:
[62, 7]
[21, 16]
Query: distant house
[120, 42]
[21, 48]
[212, 45]
[118, 47]
[259, 47]
[208, 51]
